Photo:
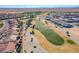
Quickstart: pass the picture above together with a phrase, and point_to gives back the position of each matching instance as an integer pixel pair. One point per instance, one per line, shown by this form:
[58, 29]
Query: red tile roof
[3, 46]
[8, 46]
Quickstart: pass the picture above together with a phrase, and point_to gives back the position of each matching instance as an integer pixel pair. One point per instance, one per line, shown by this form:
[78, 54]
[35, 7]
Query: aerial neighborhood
[39, 30]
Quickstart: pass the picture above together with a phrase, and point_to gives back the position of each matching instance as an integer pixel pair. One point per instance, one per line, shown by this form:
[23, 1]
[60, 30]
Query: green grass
[1, 24]
[51, 36]
[71, 42]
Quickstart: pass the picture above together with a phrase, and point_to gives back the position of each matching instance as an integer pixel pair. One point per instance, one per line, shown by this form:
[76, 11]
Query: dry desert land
[39, 30]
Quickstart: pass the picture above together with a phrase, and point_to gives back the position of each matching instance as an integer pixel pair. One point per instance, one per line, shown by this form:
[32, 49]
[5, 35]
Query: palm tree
[35, 46]
[31, 39]
[31, 51]
[68, 34]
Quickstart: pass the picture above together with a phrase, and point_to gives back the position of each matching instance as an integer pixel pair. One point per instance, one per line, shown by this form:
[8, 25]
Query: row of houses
[9, 16]
[60, 20]
[62, 23]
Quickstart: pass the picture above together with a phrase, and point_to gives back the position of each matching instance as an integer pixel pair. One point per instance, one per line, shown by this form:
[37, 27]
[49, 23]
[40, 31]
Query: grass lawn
[1, 24]
[51, 36]
[71, 42]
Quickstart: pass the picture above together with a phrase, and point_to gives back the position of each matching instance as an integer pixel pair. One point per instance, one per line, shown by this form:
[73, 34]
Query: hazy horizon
[39, 6]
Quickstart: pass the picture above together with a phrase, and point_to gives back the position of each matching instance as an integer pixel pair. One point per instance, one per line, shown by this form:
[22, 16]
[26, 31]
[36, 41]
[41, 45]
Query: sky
[38, 6]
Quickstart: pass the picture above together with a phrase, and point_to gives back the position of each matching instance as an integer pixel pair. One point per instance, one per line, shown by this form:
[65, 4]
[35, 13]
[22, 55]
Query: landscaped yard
[1, 24]
[51, 36]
